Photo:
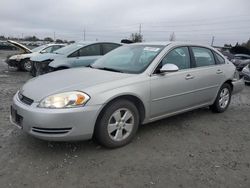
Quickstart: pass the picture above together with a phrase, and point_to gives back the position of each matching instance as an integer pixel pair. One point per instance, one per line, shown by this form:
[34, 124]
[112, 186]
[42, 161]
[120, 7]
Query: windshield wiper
[109, 69]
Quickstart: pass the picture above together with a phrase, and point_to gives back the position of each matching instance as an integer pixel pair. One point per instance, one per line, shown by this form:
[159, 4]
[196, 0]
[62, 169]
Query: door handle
[219, 71]
[189, 76]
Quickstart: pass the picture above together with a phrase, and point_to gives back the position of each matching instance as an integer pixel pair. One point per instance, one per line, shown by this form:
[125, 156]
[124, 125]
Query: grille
[25, 99]
[51, 130]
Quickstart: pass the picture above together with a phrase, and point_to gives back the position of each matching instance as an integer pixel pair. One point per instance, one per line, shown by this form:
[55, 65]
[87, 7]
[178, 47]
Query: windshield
[39, 48]
[69, 49]
[128, 59]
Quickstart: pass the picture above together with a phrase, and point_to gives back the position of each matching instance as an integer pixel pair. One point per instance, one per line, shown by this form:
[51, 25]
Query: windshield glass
[129, 59]
[69, 49]
[39, 48]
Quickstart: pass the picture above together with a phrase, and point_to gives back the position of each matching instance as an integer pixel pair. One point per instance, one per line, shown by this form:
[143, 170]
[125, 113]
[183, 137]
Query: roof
[166, 43]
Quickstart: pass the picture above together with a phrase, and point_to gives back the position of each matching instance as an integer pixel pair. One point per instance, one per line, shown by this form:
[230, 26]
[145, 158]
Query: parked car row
[131, 85]
[53, 57]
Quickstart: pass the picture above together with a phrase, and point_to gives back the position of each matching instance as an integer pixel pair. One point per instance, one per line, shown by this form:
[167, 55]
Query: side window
[179, 57]
[203, 56]
[108, 47]
[47, 50]
[56, 47]
[219, 59]
[74, 54]
[91, 50]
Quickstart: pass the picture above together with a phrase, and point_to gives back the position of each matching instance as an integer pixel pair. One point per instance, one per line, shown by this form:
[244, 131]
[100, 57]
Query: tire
[112, 130]
[26, 65]
[223, 99]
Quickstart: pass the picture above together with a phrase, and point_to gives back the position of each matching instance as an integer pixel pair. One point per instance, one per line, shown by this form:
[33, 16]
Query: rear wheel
[223, 99]
[118, 124]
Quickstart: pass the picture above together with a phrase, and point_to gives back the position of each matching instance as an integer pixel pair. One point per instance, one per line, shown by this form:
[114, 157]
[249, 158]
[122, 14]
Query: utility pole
[140, 29]
[212, 43]
[84, 34]
[54, 36]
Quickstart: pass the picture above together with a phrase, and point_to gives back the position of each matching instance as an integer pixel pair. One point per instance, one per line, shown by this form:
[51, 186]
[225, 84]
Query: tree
[246, 44]
[172, 37]
[31, 38]
[48, 39]
[59, 41]
[227, 45]
[136, 37]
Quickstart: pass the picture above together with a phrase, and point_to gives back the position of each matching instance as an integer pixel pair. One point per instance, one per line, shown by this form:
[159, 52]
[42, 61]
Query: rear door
[208, 73]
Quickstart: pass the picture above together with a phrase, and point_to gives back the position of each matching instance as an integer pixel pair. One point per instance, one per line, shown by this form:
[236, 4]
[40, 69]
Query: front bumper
[12, 62]
[54, 124]
[238, 85]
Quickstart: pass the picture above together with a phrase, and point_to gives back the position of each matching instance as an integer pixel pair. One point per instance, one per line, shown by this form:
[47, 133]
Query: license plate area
[16, 118]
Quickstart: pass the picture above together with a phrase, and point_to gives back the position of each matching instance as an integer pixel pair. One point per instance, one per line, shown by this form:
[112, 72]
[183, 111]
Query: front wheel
[223, 99]
[26, 65]
[118, 124]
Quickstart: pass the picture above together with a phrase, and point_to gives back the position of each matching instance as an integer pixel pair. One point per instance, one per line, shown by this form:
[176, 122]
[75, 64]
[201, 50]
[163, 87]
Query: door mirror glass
[169, 68]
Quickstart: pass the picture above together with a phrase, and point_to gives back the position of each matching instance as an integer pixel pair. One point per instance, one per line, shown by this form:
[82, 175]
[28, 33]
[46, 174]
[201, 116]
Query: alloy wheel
[120, 124]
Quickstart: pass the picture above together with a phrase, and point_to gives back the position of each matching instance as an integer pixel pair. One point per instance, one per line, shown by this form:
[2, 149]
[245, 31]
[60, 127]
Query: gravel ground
[195, 149]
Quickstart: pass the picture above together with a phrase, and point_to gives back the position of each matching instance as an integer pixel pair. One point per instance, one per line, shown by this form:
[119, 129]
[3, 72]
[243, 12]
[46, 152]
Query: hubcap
[120, 124]
[27, 65]
[224, 98]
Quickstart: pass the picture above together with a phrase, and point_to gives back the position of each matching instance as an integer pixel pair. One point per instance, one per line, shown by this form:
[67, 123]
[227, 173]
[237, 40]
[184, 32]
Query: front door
[173, 92]
[87, 55]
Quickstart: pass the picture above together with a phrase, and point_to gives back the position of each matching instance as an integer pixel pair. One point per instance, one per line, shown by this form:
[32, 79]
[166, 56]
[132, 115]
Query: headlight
[65, 100]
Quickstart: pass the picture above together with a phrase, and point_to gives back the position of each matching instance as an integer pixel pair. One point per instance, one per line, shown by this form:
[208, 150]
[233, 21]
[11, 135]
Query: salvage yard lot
[195, 149]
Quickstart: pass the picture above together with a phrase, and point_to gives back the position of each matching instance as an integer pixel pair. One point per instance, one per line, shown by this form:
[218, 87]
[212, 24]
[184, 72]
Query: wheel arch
[132, 98]
[229, 81]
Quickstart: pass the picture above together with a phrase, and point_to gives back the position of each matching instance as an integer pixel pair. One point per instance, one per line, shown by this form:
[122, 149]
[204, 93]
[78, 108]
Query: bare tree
[172, 37]
[136, 37]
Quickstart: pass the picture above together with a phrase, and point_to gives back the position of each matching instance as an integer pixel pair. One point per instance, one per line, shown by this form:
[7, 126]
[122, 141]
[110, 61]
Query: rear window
[219, 59]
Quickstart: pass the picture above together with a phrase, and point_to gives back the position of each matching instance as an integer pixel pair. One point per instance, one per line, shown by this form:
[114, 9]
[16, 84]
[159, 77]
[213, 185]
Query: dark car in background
[74, 55]
[240, 61]
[246, 74]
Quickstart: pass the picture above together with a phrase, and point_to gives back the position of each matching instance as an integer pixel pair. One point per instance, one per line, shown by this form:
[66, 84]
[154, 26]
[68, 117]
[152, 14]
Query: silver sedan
[134, 84]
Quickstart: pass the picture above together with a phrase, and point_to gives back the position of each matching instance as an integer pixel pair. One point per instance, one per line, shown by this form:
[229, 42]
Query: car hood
[68, 80]
[20, 46]
[45, 56]
[19, 57]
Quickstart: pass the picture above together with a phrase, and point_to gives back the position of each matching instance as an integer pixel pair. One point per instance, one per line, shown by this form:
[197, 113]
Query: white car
[22, 61]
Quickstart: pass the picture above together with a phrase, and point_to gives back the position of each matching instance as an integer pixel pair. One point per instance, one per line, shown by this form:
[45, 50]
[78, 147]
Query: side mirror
[169, 68]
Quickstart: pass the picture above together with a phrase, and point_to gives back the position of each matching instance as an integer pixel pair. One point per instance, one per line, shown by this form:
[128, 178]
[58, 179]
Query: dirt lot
[195, 149]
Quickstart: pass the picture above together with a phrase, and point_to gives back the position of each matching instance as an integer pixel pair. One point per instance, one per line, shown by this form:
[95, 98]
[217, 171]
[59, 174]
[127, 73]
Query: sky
[196, 21]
